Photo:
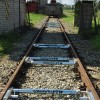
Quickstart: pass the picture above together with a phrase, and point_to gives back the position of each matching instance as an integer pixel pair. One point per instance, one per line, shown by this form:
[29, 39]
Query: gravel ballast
[49, 76]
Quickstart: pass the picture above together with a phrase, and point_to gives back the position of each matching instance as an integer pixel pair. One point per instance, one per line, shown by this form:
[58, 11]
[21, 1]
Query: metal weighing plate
[13, 93]
[51, 45]
[54, 91]
[53, 62]
[50, 60]
[53, 24]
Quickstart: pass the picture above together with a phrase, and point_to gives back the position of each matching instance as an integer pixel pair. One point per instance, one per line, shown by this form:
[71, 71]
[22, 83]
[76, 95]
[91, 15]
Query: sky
[69, 2]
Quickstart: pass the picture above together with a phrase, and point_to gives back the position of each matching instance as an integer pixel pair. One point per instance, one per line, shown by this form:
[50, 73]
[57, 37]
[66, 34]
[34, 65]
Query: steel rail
[84, 75]
[21, 62]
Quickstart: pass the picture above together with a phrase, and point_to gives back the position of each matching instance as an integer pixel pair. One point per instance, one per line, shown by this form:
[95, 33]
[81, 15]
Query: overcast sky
[69, 2]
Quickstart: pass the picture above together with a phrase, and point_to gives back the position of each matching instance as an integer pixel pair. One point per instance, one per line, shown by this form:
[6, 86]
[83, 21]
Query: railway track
[52, 67]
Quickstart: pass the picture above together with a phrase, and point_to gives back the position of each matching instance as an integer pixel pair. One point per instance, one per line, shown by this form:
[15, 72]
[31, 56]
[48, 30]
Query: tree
[96, 5]
[99, 5]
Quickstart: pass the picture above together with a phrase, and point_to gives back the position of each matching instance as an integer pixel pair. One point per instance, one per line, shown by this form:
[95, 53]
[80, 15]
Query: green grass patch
[98, 17]
[7, 41]
[35, 18]
[96, 40]
[68, 16]
[70, 11]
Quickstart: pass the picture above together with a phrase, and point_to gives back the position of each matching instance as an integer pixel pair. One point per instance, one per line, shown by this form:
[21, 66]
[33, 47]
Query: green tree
[99, 5]
[96, 5]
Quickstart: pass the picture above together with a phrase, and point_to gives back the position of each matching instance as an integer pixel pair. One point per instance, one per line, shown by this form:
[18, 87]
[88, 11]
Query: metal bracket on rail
[50, 60]
[52, 46]
[12, 93]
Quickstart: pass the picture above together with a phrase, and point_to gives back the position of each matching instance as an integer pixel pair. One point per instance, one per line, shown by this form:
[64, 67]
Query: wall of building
[9, 15]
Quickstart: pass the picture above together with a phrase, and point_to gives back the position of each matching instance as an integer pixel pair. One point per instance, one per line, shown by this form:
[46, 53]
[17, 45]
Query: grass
[98, 17]
[68, 16]
[96, 40]
[35, 18]
[68, 11]
[7, 41]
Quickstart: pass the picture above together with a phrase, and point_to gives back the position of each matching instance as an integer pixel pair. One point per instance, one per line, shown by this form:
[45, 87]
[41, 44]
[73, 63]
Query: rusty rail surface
[84, 76]
[21, 62]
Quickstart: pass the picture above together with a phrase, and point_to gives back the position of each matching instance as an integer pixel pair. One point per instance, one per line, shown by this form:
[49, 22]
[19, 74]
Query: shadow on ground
[63, 16]
[13, 45]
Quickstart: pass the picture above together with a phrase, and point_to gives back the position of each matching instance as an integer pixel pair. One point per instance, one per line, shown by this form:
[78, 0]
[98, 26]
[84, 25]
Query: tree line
[96, 3]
